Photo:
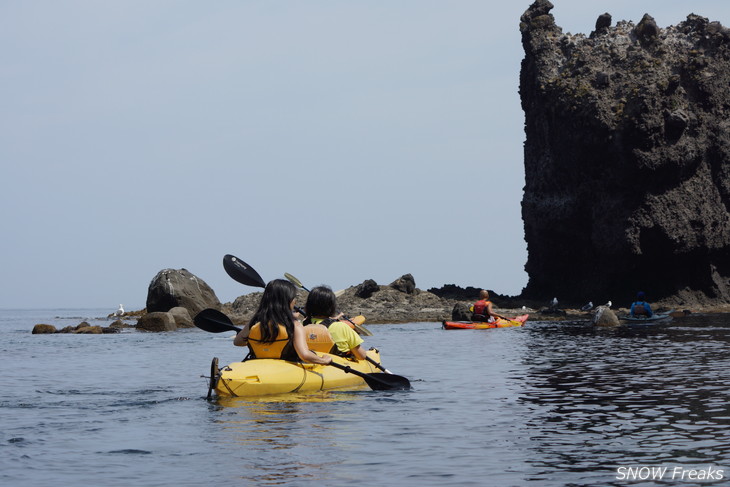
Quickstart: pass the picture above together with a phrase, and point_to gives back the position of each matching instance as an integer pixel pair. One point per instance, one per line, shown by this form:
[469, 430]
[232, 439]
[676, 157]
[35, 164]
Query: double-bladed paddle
[242, 272]
[214, 321]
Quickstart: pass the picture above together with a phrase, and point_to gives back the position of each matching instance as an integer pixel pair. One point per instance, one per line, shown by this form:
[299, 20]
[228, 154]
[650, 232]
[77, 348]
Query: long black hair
[321, 302]
[274, 309]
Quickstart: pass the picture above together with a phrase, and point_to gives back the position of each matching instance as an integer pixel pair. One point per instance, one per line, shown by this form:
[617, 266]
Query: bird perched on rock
[608, 304]
[587, 307]
[120, 311]
[554, 303]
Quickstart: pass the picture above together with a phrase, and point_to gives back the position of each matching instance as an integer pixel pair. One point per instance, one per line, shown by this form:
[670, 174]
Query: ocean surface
[548, 404]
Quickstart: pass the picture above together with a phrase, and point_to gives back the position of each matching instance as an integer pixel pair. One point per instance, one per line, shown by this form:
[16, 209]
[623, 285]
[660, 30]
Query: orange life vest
[480, 311]
[319, 338]
[281, 348]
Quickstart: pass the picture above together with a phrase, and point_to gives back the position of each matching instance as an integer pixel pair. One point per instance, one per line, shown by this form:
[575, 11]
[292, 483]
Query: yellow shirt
[344, 337]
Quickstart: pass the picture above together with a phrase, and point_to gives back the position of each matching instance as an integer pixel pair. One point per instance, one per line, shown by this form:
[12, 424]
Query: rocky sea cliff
[627, 159]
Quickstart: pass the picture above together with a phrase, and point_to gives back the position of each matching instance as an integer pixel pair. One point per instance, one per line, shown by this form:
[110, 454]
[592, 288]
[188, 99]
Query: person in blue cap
[640, 308]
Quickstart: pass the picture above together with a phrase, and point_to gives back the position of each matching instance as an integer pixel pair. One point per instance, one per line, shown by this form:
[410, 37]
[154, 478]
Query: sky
[337, 141]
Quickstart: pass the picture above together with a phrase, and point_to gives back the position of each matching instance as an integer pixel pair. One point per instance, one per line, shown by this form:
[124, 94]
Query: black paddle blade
[242, 272]
[214, 321]
[386, 382]
[377, 381]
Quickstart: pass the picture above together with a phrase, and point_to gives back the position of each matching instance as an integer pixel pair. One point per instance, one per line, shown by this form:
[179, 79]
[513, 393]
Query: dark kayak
[641, 320]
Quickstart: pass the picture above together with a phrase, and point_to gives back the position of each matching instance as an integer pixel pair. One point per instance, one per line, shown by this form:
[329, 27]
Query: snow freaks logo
[678, 473]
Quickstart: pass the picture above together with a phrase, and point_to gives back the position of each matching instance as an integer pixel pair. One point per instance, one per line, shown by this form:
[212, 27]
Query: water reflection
[605, 396]
[296, 397]
[281, 438]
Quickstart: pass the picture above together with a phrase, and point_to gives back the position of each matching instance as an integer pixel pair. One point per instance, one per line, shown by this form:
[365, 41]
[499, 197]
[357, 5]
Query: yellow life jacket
[281, 348]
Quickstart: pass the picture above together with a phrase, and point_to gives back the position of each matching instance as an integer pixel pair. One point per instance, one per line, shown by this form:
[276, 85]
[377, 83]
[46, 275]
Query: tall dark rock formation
[627, 159]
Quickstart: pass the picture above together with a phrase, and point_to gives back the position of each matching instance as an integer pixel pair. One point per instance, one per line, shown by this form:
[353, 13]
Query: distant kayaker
[321, 309]
[640, 308]
[482, 311]
[275, 330]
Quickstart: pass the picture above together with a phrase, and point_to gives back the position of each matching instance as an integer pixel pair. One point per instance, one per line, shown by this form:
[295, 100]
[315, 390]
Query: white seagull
[588, 306]
[120, 311]
[554, 302]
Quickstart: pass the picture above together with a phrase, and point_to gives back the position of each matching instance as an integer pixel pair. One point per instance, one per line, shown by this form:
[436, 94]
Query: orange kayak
[473, 325]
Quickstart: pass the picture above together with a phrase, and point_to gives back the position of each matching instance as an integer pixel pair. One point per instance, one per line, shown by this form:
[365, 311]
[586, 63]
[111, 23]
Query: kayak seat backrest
[318, 338]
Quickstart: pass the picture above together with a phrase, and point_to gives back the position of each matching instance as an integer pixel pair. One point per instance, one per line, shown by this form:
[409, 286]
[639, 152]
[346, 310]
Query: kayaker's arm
[300, 346]
[241, 339]
[359, 352]
[490, 312]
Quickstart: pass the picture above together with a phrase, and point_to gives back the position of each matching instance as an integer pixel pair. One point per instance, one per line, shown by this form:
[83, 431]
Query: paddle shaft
[372, 361]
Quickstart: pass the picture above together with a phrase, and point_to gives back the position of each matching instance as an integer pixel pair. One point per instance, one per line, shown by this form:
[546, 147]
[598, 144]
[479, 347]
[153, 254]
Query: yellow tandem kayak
[261, 377]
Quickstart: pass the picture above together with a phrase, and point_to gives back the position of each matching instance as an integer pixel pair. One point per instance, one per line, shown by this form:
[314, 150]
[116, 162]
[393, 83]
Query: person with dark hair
[274, 331]
[482, 311]
[640, 308]
[328, 331]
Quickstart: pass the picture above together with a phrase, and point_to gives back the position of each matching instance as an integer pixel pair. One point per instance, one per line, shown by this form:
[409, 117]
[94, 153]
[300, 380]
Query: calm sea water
[549, 404]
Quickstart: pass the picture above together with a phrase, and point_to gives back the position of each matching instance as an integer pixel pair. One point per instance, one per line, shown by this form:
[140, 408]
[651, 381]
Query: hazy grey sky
[338, 141]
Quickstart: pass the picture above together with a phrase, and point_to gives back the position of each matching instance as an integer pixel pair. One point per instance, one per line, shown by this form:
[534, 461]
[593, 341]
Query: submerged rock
[182, 317]
[604, 316]
[157, 321]
[89, 330]
[43, 328]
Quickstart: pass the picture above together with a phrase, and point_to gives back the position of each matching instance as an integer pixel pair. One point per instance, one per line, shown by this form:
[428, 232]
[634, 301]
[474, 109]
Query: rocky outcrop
[366, 289]
[171, 288]
[399, 302]
[627, 159]
[405, 284]
[461, 312]
[396, 305]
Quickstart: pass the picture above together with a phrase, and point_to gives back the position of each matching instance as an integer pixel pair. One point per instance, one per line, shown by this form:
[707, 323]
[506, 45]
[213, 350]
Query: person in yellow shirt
[321, 309]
